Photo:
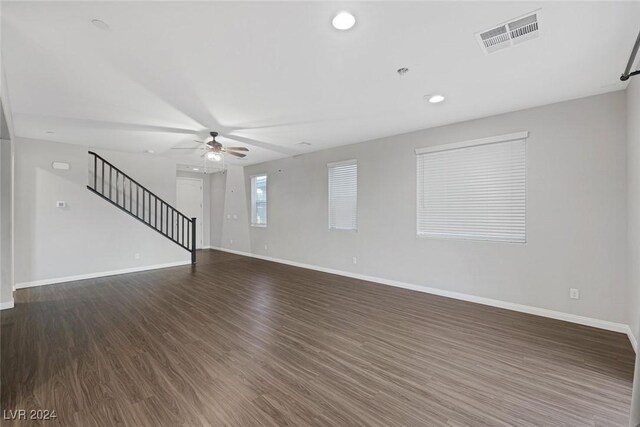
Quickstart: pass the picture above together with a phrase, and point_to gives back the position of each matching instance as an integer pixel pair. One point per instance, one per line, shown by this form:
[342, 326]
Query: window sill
[259, 225]
[468, 238]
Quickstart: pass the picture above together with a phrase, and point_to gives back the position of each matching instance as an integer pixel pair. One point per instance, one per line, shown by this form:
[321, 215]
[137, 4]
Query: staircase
[124, 192]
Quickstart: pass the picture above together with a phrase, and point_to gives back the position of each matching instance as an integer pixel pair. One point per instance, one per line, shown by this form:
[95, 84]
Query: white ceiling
[272, 75]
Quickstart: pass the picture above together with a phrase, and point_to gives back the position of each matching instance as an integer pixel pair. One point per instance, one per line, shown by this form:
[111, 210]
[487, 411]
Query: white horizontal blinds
[259, 200]
[474, 192]
[343, 195]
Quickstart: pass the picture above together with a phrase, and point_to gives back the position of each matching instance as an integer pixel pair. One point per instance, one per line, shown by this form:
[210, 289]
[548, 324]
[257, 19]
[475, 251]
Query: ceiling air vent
[510, 33]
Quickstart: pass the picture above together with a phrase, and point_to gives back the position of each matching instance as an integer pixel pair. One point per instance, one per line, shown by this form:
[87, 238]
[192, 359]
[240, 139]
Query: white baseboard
[567, 317]
[6, 305]
[44, 282]
[632, 339]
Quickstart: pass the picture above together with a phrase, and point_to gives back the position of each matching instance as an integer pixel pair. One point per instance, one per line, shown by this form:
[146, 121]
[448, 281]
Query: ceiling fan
[214, 150]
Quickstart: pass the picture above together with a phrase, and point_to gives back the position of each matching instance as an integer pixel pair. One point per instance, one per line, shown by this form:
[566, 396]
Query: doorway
[189, 201]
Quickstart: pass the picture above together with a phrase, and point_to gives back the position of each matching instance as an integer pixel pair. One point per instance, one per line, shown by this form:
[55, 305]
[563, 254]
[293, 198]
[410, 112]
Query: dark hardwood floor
[242, 342]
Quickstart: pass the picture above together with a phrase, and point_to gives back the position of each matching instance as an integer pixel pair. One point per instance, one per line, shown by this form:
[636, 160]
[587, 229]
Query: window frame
[330, 166]
[516, 136]
[254, 202]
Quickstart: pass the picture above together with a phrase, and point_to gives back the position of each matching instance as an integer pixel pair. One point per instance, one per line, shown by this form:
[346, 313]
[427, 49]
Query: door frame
[199, 230]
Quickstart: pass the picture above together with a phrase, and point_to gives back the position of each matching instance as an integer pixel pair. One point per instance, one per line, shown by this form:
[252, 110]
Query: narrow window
[343, 195]
[259, 200]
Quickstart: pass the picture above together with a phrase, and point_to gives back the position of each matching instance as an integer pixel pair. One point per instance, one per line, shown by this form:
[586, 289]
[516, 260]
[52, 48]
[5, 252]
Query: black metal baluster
[193, 240]
[117, 179]
[95, 172]
[102, 177]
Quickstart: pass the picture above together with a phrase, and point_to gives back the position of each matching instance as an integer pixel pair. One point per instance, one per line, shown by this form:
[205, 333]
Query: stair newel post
[193, 240]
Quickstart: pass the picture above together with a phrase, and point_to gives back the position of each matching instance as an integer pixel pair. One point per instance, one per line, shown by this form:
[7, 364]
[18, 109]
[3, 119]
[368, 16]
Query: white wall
[576, 213]
[90, 236]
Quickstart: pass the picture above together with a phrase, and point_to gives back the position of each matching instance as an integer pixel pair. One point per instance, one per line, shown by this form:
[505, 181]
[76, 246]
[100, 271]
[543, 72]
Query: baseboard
[44, 282]
[567, 317]
[6, 305]
[632, 339]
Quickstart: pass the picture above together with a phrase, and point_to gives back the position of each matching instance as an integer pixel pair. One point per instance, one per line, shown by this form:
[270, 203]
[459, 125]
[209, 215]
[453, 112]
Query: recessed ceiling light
[49, 131]
[343, 21]
[434, 99]
[100, 24]
[402, 71]
[196, 169]
[149, 151]
[304, 143]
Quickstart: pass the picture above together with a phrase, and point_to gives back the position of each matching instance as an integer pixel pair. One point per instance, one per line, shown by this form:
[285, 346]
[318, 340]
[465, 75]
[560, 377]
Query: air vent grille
[510, 33]
[495, 36]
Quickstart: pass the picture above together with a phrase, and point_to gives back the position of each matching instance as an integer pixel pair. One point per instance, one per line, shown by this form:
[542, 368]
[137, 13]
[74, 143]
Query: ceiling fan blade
[237, 149]
[259, 144]
[236, 154]
[194, 148]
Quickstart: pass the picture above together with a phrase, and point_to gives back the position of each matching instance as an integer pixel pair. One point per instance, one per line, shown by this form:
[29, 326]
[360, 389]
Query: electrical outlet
[355, 260]
[574, 293]
[136, 256]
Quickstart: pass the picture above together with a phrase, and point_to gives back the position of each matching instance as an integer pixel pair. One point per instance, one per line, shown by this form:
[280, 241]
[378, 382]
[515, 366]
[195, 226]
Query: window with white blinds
[343, 195]
[474, 190]
[259, 201]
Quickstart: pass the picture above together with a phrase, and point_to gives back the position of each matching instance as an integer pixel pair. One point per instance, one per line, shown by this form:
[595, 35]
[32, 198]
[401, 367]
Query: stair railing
[124, 192]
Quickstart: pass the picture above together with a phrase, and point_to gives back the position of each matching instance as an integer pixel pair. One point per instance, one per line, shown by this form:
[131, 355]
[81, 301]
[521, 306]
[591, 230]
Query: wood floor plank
[236, 341]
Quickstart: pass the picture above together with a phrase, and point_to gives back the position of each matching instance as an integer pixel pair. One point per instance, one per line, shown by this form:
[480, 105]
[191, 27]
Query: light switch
[61, 204]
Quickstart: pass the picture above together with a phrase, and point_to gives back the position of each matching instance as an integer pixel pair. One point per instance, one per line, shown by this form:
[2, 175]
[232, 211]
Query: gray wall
[633, 158]
[633, 194]
[217, 193]
[576, 212]
[235, 229]
[89, 236]
[6, 212]
[6, 227]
